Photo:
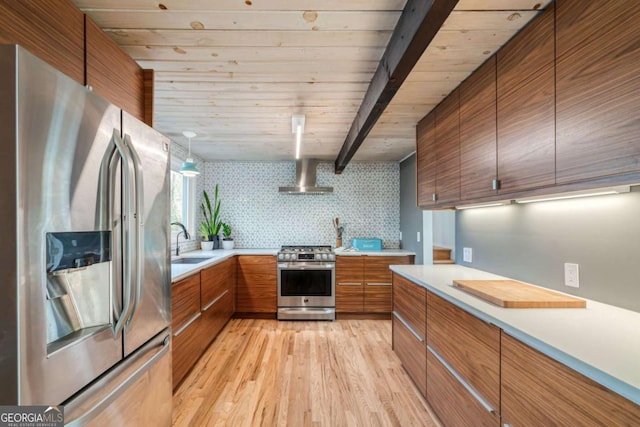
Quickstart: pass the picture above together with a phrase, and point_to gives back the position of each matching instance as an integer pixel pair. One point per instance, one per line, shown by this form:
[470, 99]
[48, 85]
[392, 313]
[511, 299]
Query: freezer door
[65, 270]
[149, 151]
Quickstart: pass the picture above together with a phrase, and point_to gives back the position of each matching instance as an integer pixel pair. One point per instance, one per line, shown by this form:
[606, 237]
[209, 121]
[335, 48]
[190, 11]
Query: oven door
[306, 284]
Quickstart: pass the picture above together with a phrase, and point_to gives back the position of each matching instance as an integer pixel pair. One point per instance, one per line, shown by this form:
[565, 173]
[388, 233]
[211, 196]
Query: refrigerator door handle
[98, 396]
[126, 184]
[138, 214]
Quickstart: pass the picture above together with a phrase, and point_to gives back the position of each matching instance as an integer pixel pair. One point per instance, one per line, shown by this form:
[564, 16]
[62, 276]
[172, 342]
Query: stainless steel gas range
[306, 283]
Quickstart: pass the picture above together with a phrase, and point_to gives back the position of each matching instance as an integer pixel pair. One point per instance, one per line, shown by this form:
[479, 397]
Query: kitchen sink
[190, 260]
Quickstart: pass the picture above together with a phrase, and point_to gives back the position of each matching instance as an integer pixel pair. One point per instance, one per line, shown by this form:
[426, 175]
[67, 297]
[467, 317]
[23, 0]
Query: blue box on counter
[367, 244]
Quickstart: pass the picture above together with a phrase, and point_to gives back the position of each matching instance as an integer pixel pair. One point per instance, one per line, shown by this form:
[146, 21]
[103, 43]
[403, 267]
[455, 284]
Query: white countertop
[180, 271]
[384, 252]
[601, 341]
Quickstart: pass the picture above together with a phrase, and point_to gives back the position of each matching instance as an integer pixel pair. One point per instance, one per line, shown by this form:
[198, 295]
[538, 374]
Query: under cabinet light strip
[298, 141]
[571, 196]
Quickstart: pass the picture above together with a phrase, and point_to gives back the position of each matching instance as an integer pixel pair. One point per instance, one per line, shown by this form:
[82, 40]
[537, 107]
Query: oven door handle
[318, 266]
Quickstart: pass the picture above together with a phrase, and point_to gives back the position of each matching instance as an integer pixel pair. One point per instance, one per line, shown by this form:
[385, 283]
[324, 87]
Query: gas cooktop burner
[306, 253]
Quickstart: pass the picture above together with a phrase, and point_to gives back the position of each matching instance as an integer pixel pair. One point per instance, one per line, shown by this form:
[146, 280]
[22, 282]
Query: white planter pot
[227, 245]
[206, 246]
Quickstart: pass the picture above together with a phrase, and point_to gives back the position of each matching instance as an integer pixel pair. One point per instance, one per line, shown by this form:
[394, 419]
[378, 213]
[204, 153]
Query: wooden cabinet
[447, 147]
[112, 73]
[598, 81]
[364, 284]
[217, 297]
[537, 390]
[52, 32]
[349, 284]
[463, 354]
[256, 284]
[478, 150]
[409, 329]
[186, 325]
[526, 107]
[426, 160]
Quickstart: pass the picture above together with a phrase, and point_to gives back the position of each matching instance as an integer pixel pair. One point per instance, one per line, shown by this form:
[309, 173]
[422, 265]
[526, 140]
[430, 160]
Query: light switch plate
[571, 275]
[418, 236]
[467, 255]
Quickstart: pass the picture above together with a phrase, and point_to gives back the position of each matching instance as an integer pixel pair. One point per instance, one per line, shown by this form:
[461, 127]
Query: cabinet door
[185, 296]
[216, 315]
[256, 284]
[112, 73]
[412, 352]
[410, 302]
[470, 346]
[216, 279]
[598, 82]
[378, 282]
[526, 106]
[186, 349]
[426, 160]
[537, 390]
[349, 284]
[448, 149]
[478, 151]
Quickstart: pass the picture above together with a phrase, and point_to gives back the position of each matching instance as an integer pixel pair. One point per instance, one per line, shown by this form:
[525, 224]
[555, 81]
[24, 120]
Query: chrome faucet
[184, 232]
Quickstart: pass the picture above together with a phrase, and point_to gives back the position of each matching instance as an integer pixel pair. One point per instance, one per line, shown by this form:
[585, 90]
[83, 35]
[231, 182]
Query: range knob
[280, 256]
[332, 257]
[324, 256]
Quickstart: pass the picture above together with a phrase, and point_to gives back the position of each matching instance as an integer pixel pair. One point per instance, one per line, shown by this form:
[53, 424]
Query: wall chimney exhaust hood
[306, 179]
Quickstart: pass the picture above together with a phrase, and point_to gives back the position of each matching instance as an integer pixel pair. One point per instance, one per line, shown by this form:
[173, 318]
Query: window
[182, 203]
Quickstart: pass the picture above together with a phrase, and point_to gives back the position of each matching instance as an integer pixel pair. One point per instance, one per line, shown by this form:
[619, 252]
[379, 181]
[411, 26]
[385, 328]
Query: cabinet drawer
[187, 347]
[377, 298]
[376, 268]
[451, 401]
[410, 302]
[216, 279]
[349, 297]
[470, 345]
[349, 269]
[185, 296]
[216, 315]
[412, 352]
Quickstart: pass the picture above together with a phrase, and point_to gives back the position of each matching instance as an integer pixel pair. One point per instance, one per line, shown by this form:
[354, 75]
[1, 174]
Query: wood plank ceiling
[234, 71]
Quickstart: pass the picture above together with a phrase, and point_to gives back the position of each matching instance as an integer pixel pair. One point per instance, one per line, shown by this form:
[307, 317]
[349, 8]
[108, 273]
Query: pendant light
[189, 167]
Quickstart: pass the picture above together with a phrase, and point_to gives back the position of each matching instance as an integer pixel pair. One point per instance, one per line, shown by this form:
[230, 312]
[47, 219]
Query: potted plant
[227, 240]
[210, 227]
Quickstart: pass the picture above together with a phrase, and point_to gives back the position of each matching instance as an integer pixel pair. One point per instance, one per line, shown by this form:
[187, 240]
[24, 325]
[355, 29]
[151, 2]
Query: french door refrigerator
[84, 257]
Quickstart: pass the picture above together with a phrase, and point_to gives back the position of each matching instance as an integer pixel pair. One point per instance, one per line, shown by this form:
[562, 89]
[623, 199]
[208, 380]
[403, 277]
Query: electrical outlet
[467, 255]
[418, 237]
[571, 275]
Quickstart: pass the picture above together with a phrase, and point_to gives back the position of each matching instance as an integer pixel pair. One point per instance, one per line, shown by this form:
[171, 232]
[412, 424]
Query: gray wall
[410, 214]
[532, 242]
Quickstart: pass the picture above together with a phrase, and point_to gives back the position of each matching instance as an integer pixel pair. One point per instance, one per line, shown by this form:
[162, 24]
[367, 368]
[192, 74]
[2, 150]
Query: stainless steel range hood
[306, 179]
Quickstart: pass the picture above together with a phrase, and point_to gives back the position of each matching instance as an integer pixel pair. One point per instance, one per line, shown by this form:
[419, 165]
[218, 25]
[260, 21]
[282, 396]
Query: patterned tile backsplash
[366, 198]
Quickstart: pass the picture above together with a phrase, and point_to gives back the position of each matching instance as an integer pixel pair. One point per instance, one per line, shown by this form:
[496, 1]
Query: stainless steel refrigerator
[84, 256]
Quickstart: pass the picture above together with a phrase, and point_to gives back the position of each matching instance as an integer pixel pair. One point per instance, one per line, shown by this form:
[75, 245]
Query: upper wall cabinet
[448, 149]
[54, 33]
[525, 85]
[426, 160]
[478, 155]
[598, 87]
[112, 73]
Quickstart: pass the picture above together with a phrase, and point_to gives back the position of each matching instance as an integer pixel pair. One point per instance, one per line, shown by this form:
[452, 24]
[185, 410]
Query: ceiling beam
[417, 26]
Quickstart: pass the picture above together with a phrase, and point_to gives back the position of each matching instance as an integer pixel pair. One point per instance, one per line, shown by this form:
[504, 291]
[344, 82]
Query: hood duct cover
[306, 179]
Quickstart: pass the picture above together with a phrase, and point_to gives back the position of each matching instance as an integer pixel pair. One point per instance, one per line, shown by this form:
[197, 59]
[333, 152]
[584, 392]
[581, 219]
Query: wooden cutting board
[513, 294]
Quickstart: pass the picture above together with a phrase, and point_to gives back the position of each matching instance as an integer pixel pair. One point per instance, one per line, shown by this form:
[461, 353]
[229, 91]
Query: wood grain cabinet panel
[187, 347]
[216, 315]
[349, 284]
[469, 345]
[54, 32]
[598, 82]
[526, 107]
[378, 281]
[426, 160]
[412, 352]
[256, 284]
[112, 73]
[478, 149]
[537, 390]
[448, 149]
[216, 279]
[410, 302]
[185, 297]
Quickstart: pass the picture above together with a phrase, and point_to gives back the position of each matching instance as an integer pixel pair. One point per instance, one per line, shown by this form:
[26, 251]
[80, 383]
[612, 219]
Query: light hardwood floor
[270, 373]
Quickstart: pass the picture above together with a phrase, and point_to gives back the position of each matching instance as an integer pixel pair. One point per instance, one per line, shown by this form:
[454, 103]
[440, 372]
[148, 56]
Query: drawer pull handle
[186, 325]
[378, 284]
[406, 325]
[226, 291]
[461, 380]
[349, 284]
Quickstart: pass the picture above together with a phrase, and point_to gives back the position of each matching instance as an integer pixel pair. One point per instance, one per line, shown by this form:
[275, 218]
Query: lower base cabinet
[412, 352]
[187, 347]
[539, 391]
